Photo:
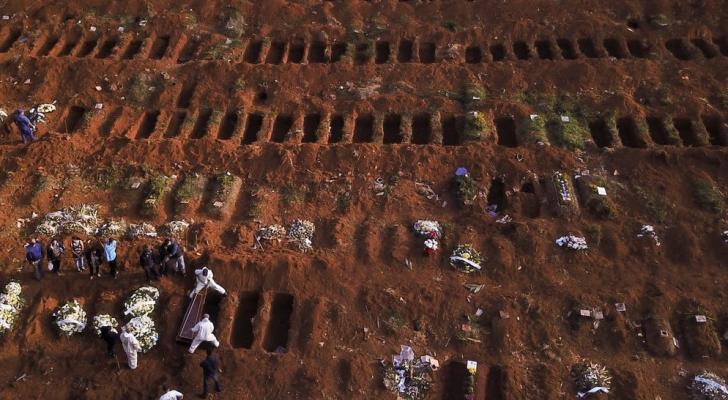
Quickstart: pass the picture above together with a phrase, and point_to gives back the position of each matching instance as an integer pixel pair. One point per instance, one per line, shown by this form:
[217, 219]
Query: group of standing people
[90, 254]
[169, 256]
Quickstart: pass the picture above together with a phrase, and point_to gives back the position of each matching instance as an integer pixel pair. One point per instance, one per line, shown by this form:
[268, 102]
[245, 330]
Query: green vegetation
[189, 189]
[343, 201]
[708, 197]
[140, 89]
[291, 194]
[473, 94]
[40, 183]
[157, 187]
[466, 190]
[393, 321]
[656, 205]
[254, 207]
[476, 124]
[532, 130]
[569, 134]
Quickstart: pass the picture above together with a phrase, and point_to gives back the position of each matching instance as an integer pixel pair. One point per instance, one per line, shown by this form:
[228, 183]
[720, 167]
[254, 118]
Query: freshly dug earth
[316, 325]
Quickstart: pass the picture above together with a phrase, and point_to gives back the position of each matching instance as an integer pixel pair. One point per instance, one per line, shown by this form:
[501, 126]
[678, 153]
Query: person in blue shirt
[110, 255]
[25, 126]
[34, 255]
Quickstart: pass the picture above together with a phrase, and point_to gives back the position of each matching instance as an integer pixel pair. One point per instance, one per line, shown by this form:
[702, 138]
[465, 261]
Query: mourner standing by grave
[131, 347]
[203, 279]
[210, 369]
[34, 255]
[110, 336]
[54, 253]
[171, 253]
[77, 248]
[25, 126]
[93, 256]
[203, 333]
[110, 255]
[170, 394]
[146, 260]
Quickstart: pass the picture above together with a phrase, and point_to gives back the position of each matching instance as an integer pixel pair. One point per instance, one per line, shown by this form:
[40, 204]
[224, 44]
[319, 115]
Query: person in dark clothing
[210, 370]
[34, 255]
[25, 126]
[146, 260]
[93, 256]
[54, 252]
[110, 336]
[77, 251]
[172, 254]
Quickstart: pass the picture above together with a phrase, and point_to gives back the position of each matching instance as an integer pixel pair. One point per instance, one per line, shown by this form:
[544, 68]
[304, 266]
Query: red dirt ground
[356, 277]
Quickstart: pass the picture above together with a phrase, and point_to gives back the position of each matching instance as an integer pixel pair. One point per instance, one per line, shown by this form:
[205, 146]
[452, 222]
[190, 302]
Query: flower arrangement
[466, 258]
[708, 386]
[114, 228]
[142, 301]
[572, 242]
[591, 378]
[103, 320]
[144, 331]
[81, 219]
[70, 318]
[141, 230]
[408, 377]
[271, 232]
[10, 305]
[301, 233]
[649, 231]
[46, 107]
[431, 231]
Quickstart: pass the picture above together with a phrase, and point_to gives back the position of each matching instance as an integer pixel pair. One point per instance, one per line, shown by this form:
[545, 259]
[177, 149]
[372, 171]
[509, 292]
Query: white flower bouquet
[466, 258]
[428, 229]
[142, 301]
[142, 230]
[708, 385]
[301, 233]
[572, 242]
[103, 320]
[591, 378]
[10, 305]
[46, 107]
[70, 318]
[271, 232]
[144, 331]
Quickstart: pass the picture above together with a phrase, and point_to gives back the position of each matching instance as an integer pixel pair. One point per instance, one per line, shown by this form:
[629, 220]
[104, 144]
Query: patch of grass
[723, 99]
[392, 321]
[656, 205]
[708, 197]
[466, 189]
[343, 201]
[476, 124]
[291, 194]
[140, 88]
[157, 187]
[215, 118]
[239, 84]
[235, 24]
[533, 130]
[110, 178]
[188, 189]
[216, 52]
[40, 183]
[254, 208]
[570, 135]
[472, 94]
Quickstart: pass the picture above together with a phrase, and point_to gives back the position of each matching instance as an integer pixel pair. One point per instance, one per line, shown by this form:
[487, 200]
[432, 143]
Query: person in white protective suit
[204, 280]
[131, 347]
[203, 333]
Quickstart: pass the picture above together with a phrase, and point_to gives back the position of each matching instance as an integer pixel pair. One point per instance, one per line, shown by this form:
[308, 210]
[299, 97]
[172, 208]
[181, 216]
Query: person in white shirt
[204, 280]
[131, 347]
[203, 333]
[171, 394]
